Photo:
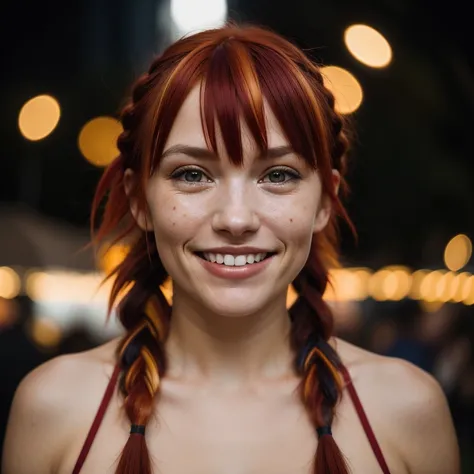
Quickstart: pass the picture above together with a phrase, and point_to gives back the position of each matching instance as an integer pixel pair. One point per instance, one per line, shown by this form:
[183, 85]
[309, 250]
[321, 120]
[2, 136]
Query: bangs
[238, 79]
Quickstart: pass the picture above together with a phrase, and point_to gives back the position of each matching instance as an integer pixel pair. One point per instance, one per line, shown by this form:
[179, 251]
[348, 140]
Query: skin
[228, 402]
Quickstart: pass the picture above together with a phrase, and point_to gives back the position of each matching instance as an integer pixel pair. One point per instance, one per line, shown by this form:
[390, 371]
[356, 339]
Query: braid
[144, 312]
[131, 115]
[317, 362]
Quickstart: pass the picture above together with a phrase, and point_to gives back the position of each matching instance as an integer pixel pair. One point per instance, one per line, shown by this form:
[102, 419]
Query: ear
[325, 207]
[142, 216]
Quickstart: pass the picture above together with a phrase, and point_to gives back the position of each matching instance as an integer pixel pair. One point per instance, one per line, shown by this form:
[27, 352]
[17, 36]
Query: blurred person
[454, 370]
[230, 163]
[462, 408]
[452, 331]
[451, 362]
[407, 343]
[382, 335]
[436, 326]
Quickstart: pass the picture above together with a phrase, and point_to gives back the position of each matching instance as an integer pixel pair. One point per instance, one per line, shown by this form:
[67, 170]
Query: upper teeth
[234, 260]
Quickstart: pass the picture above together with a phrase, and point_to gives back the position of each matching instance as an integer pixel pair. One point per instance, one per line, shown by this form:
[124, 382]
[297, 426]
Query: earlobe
[325, 209]
[141, 216]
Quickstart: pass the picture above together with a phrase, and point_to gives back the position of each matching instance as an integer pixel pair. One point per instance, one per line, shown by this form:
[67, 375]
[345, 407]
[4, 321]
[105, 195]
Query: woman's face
[214, 221]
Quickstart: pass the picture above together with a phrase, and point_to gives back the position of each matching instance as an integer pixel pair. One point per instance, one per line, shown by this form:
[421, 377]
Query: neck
[230, 351]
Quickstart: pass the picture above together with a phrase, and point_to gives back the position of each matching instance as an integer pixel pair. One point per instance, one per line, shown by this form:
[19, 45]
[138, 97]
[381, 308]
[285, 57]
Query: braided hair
[246, 65]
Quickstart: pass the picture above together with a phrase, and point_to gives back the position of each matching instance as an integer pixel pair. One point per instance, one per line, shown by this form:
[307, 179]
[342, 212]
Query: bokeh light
[457, 287]
[429, 285]
[416, 281]
[45, 332]
[10, 283]
[368, 46]
[347, 285]
[345, 87]
[444, 286]
[190, 15]
[398, 284]
[39, 117]
[457, 253]
[379, 282]
[363, 275]
[66, 286]
[468, 291]
[98, 140]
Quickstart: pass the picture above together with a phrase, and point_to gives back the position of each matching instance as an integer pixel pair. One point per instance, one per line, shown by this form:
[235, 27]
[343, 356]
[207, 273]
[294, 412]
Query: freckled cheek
[294, 222]
[176, 222]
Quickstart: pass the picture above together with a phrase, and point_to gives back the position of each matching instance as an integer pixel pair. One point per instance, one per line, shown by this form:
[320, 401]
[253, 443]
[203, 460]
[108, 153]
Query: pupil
[278, 175]
[193, 175]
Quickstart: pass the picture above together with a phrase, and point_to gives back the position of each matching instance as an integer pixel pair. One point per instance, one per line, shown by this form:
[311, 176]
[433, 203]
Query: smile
[234, 260]
[234, 266]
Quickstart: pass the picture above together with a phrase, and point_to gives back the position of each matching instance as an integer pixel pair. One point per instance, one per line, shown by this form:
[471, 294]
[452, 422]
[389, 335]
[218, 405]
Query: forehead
[188, 129]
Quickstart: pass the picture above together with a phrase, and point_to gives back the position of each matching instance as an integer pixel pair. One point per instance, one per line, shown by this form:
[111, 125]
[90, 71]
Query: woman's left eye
[281, 176]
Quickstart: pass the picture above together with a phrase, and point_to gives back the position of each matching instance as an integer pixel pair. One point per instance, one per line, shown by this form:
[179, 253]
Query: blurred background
[402, 70]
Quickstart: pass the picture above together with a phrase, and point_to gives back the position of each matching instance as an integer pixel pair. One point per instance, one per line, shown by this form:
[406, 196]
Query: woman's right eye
[190, 175]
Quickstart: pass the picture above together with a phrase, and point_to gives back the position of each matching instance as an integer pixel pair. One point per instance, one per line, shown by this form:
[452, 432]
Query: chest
[212, 435]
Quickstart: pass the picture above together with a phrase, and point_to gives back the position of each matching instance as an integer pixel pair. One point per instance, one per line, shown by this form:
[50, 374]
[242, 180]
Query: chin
[235, 302]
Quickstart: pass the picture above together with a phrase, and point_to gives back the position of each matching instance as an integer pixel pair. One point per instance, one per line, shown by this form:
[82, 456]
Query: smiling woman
[231, 160]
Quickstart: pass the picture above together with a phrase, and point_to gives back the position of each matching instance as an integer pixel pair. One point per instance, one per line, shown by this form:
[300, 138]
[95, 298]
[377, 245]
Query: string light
[392, 283]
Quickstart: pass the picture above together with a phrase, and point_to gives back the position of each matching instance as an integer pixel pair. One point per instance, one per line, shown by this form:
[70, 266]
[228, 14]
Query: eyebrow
[206, 154]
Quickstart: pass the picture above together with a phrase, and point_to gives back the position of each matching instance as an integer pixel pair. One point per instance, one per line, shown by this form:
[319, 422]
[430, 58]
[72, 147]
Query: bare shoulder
[409, 404]
[388, 375]
[48, 405]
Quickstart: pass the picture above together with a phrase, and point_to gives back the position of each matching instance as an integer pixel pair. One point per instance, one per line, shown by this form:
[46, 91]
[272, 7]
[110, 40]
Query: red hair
[238, 68]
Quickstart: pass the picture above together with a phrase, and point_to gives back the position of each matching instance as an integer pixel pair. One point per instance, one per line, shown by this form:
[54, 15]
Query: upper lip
[235, 250]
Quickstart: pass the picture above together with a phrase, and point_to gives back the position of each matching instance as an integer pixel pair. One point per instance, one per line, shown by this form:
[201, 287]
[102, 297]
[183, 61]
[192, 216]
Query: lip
[235, 273]
[235, 250]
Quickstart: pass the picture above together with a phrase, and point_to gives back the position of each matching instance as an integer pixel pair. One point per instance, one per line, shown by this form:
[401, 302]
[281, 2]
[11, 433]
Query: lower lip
[235, 273]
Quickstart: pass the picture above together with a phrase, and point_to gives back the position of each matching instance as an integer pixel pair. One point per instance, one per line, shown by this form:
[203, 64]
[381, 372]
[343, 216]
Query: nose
[235, 210]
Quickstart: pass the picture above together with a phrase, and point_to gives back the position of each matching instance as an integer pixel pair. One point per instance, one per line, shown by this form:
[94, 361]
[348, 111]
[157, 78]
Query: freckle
[291, 220]
[174, 223]
[174, 208]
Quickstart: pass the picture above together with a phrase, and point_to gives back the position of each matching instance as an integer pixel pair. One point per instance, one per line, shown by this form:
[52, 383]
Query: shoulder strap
[97, 421]
[364, 420]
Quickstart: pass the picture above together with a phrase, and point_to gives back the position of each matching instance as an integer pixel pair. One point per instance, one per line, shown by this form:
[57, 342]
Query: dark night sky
[412, 173]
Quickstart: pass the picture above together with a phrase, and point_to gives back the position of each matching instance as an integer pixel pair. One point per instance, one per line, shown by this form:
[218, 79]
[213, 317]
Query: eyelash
[179, 173]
